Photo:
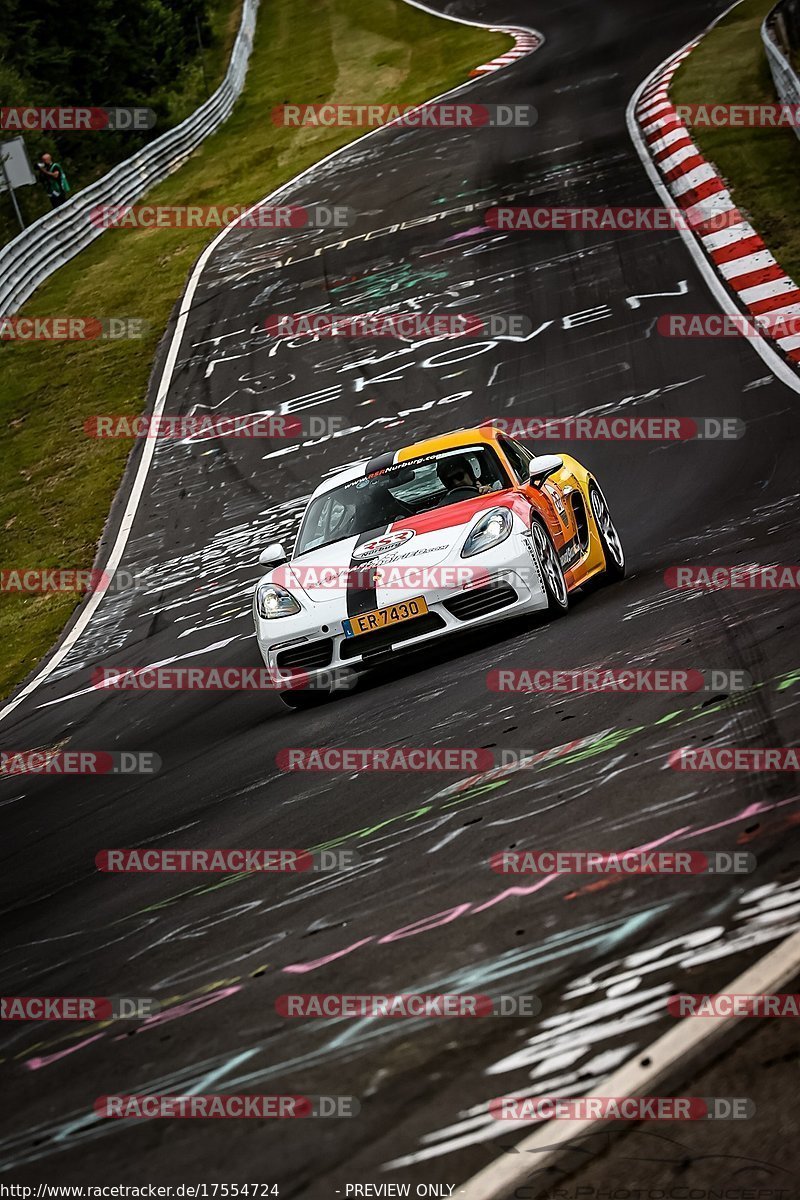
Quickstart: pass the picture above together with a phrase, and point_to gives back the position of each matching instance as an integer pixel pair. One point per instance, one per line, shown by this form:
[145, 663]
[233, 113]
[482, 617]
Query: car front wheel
[555, 585]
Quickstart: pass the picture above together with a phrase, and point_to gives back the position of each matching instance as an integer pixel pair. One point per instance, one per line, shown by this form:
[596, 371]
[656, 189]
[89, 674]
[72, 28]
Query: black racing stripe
[379, 464]
[362, 595]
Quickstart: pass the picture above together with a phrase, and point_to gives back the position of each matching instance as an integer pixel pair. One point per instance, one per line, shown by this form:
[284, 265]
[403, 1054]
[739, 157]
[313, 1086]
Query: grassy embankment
[760, 166]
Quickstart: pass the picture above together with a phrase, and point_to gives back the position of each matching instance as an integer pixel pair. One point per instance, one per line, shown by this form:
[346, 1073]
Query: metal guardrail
[780, 33]
[52, 240]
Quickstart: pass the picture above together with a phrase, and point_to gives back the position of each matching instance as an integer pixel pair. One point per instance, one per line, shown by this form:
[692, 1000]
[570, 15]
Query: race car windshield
[399, 491]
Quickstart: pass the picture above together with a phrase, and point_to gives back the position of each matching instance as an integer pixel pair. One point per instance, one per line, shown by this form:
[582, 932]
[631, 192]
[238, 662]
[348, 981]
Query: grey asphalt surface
[422, 911]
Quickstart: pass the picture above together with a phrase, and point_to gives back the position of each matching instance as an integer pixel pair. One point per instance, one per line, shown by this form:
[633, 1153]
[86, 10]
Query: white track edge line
[770, 972]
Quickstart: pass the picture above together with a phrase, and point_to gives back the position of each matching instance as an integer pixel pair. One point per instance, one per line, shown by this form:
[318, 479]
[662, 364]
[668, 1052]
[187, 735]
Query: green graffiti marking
[577, 751]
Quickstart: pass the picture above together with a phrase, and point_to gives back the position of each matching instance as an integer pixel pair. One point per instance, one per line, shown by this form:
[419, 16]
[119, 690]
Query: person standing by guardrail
[51, 174]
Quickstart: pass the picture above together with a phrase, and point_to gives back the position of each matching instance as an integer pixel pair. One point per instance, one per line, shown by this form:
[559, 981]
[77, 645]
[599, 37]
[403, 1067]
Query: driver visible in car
[456, 473]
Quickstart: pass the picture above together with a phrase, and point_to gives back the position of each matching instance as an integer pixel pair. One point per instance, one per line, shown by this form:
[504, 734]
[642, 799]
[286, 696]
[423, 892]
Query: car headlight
[492, 529]
[274, 601]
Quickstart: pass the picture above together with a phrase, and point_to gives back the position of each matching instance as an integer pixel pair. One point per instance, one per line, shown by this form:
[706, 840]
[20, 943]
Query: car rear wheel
[555, 585]
[609, 538]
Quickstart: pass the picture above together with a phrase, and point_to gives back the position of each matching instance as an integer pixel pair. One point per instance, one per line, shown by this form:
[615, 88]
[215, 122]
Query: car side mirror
[273, 555]
[543, 465]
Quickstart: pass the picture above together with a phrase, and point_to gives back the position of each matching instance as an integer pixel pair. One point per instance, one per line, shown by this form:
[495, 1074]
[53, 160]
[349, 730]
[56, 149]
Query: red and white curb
[526, 41]
[751, 275]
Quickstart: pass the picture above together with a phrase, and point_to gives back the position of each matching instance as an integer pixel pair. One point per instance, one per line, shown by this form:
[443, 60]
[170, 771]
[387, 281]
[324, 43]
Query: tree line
[100, 54]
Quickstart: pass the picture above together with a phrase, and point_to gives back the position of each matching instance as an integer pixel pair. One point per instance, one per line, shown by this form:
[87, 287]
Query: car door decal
[569, 552]
[558, 501]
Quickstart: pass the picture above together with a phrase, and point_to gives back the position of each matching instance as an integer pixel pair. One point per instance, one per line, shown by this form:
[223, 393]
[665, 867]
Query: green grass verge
[760, 166]
[58, 484]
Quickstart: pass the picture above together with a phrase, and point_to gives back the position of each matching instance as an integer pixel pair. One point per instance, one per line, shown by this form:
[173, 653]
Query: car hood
[429, 540]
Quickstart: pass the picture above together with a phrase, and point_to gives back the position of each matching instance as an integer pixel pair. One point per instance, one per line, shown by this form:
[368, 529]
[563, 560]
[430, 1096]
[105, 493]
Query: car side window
[517, 456]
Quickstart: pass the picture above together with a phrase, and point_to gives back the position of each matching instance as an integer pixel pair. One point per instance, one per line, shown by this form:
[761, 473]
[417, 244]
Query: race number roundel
[380, 545]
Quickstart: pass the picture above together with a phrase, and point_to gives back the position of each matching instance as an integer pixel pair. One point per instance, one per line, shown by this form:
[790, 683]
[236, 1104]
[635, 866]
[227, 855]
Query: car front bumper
[313, 641]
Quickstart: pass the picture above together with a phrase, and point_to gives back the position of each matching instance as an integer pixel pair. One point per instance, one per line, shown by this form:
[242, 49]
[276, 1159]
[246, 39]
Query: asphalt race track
[421, 911]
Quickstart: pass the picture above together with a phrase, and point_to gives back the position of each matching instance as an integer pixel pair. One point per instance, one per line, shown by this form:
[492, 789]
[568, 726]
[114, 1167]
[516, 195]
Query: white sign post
[15, 171]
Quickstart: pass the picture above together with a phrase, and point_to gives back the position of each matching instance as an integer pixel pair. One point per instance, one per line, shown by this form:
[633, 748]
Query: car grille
[478, 602]
[308, 656]
[384, 639]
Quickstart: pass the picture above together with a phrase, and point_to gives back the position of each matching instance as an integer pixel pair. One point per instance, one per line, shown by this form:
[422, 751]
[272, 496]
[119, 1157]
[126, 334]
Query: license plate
[379, 618]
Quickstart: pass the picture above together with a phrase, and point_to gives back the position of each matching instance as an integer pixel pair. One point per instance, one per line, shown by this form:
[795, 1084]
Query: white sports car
[456, 531]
